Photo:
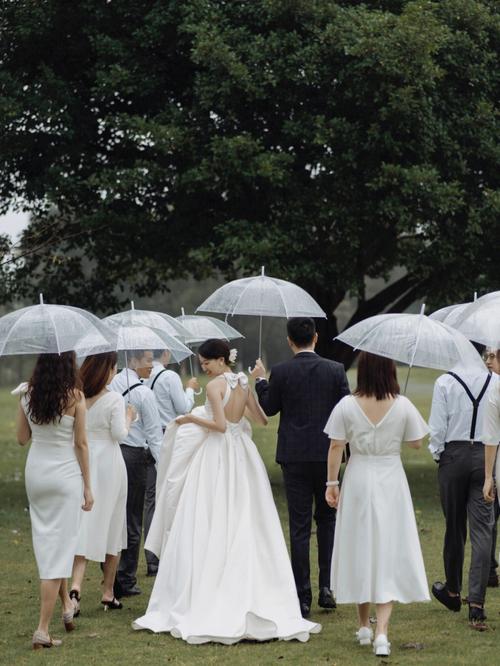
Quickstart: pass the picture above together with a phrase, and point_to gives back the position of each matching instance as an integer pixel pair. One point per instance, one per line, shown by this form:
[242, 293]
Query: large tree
[330, 141]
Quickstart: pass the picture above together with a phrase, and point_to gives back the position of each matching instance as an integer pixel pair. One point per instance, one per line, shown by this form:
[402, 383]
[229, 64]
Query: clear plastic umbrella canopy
[449, 314]
[414, 339]
[155, 320]
[480, 321]
[202, 327]
[146, 331]
[263, 296]
[53, 329]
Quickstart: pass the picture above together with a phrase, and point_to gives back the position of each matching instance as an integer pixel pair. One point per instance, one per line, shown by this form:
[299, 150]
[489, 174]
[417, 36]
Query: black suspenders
[154, 380]
[475, 401]
[130, 388]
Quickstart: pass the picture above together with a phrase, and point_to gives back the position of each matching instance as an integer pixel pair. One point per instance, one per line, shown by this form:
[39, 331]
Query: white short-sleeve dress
[377, 556]
[104, 529]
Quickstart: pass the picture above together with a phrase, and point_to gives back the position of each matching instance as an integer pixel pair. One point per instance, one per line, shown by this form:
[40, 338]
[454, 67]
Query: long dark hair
[215, 348]
[376, 377]
[52, 387]
[95, 371]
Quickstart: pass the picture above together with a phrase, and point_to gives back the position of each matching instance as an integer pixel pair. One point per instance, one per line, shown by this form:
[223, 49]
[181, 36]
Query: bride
[224, 572]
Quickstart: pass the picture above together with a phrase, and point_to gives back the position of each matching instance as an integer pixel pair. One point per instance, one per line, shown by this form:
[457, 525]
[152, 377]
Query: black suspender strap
[475, 401]
[154, 380]
[130, 388]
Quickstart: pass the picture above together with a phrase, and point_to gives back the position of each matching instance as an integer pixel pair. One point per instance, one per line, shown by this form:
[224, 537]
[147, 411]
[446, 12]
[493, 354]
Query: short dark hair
[158, 353]
[215, 348]
[301, 331]
[136, 353]
[376, 377]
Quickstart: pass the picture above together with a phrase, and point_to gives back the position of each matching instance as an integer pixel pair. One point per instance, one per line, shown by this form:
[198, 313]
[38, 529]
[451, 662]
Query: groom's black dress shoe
[305, 609]
[440, 591]
[120, 591]
[325, 599]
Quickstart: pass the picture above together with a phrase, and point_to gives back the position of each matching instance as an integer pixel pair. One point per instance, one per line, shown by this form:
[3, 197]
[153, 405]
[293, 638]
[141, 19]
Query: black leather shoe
[326, 599]
[130, 592]
[440, 591]
[305, 609]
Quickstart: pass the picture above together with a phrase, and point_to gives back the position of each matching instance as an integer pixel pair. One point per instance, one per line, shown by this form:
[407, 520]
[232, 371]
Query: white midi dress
[224, 573]
[54, 487]
[376, 556]
[104, 529]
[491, 427]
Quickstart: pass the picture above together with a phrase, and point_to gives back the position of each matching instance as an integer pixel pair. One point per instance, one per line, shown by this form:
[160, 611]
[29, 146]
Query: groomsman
[141, 450]
[172, 401]
[304, 391]
[455, 443]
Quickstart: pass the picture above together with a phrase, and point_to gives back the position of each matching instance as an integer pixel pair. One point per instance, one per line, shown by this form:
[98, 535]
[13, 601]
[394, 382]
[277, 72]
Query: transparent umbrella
[414, 339]
[262, 296]
[480, 321]
[135, 331]
[53, 329]
[202, 327]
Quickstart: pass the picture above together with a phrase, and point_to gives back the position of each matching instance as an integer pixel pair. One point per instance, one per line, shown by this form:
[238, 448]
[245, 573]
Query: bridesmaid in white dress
[52, 415]
[377, 556]
[103, 532]
[224, 572]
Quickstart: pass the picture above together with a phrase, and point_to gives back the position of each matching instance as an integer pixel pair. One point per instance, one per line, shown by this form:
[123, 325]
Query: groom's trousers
[305, 487]
[461, 479]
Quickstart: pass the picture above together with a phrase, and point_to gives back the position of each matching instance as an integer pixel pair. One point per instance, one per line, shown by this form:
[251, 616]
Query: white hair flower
[233, 353]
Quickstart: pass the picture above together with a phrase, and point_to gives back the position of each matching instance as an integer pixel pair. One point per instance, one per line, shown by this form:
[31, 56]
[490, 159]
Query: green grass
[107, 637]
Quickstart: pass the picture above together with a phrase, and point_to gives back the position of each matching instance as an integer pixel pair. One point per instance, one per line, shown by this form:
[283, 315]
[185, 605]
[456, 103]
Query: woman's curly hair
[52, 387]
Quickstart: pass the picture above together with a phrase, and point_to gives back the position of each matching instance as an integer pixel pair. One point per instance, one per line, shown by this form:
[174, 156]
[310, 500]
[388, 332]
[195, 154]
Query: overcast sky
[13, 223]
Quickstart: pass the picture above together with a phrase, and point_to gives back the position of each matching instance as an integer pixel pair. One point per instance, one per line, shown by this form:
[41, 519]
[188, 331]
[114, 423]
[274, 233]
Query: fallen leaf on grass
[413, 646]
[92, 635]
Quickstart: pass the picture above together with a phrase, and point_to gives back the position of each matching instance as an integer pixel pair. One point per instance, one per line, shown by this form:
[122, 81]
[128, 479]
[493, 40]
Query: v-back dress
[54, 486]
[224, 572]
[104, 529]
[376, 555]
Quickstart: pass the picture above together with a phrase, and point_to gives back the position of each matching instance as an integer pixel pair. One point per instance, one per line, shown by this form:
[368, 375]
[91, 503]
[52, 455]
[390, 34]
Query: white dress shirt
[170, 396]
[146, 432]
[452, 409]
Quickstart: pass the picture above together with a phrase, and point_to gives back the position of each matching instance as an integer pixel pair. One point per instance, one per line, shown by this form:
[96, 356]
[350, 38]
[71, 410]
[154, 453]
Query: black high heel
[74, 595]
[114, 604]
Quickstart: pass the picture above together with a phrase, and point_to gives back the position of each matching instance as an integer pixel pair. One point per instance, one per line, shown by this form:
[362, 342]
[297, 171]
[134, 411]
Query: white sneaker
[381, 646]
[364, 635]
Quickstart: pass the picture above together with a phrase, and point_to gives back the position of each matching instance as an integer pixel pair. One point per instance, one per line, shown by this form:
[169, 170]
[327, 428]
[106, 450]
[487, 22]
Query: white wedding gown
[224, 573]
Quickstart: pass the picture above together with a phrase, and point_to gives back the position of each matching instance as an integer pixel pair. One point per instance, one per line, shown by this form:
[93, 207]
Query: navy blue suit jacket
[304, 390]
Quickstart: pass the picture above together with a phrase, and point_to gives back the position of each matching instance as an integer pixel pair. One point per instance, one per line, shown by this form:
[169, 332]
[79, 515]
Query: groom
[304, 391]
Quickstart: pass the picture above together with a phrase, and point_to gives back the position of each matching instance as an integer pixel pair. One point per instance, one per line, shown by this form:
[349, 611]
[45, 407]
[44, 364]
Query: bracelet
[332, 483]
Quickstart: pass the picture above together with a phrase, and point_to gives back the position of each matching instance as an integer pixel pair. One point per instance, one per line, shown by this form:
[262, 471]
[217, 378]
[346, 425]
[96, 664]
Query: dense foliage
[330, 141]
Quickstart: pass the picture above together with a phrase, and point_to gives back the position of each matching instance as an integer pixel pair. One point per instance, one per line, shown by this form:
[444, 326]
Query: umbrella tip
[41, 299]
[475, 296]
[132, 306]
[182, 312]
[262, 271]
[422, 308]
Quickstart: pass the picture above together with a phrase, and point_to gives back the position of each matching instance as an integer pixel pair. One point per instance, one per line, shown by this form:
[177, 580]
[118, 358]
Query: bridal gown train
[224, 572]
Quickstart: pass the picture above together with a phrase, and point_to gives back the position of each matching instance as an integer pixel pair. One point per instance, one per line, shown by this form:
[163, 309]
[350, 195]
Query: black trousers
[305, 486]
[461, 479]
[137, 461]
[494, 563]
[149, 509]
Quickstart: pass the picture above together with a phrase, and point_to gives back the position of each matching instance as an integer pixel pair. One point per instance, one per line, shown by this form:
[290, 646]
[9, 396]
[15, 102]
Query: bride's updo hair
[215, 348]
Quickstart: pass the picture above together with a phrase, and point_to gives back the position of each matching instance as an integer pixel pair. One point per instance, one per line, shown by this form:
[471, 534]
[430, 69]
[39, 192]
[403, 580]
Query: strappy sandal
[114, 604]
[74, 595]
[41, 640]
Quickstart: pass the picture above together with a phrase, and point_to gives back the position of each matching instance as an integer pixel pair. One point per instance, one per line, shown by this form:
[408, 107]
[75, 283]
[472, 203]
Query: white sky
[13, 223]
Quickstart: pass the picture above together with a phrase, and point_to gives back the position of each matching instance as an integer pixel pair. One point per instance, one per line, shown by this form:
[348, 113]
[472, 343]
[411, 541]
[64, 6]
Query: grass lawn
[103, 638]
